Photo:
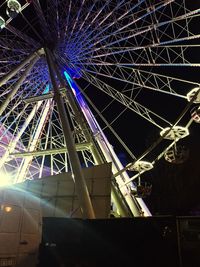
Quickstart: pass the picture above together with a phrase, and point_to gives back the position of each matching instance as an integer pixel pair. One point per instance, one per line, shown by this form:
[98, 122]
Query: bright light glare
[5, 179]
[8, 209]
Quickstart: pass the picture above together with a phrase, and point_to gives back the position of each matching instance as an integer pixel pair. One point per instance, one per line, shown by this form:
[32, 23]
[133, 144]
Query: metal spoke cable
[108, 125]
[125, 100]
[122, 28]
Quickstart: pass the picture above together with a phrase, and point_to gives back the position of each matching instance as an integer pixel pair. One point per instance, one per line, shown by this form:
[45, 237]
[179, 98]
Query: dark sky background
[176, 186]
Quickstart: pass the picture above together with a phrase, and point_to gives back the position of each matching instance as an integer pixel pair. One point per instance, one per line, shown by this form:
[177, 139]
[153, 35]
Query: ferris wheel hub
[177, 132]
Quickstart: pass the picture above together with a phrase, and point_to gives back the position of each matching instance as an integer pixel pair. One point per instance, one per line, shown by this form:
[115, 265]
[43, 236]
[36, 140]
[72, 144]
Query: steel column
[16, 86]
[20, 66]
[80, 183]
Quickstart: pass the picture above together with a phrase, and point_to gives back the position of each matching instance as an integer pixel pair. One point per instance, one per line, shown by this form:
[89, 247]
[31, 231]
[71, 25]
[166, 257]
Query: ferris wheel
[116, 69]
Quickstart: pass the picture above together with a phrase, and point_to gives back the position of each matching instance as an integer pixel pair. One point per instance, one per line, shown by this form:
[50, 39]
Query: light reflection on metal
[108, 152]
[70, 82]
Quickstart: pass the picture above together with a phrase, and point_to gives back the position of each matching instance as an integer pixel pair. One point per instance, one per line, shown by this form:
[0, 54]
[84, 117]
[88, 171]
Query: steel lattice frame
[123, 49]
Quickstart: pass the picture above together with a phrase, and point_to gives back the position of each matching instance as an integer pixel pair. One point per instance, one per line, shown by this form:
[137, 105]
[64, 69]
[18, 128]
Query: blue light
[68, 78]
[46, 91]
[74, 73]
[71, 82]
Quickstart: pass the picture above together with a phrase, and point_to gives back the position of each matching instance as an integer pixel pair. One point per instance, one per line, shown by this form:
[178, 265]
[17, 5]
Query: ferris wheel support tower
[80, 183]
[100, 148]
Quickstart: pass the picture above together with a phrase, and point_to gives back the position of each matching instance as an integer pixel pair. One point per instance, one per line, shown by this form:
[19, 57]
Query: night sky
[176, 186]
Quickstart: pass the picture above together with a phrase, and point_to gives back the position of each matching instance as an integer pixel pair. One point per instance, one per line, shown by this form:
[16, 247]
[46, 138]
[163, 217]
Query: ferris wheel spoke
[99, 33]
[42, 20]
[51, 10]
[161, 48]
[93, 20]
[33, 87]
[81, 31]
[65, 26]
[85, 52]
[109, 126]
[9, 63]
[182, 34]
[26, 87]
[14, 45]
[88, 45]
[76, 19]
[69, 19]
[12, 59]
[139, 79]
[33, 28]
[90, 42]
[175, 55]
[127, 101]
[86, 33]
[58, 16]
[6, 127]
[87, 16]
[23, 36]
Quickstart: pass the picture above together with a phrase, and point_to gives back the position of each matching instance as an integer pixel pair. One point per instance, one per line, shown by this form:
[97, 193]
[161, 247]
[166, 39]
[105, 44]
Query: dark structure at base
[120, 242]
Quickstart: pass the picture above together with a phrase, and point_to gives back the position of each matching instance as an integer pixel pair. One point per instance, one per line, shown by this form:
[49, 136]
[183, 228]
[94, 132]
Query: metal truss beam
[37, 153]
[80, 183]
[13, 72]
[50, 95]
[17, 86]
